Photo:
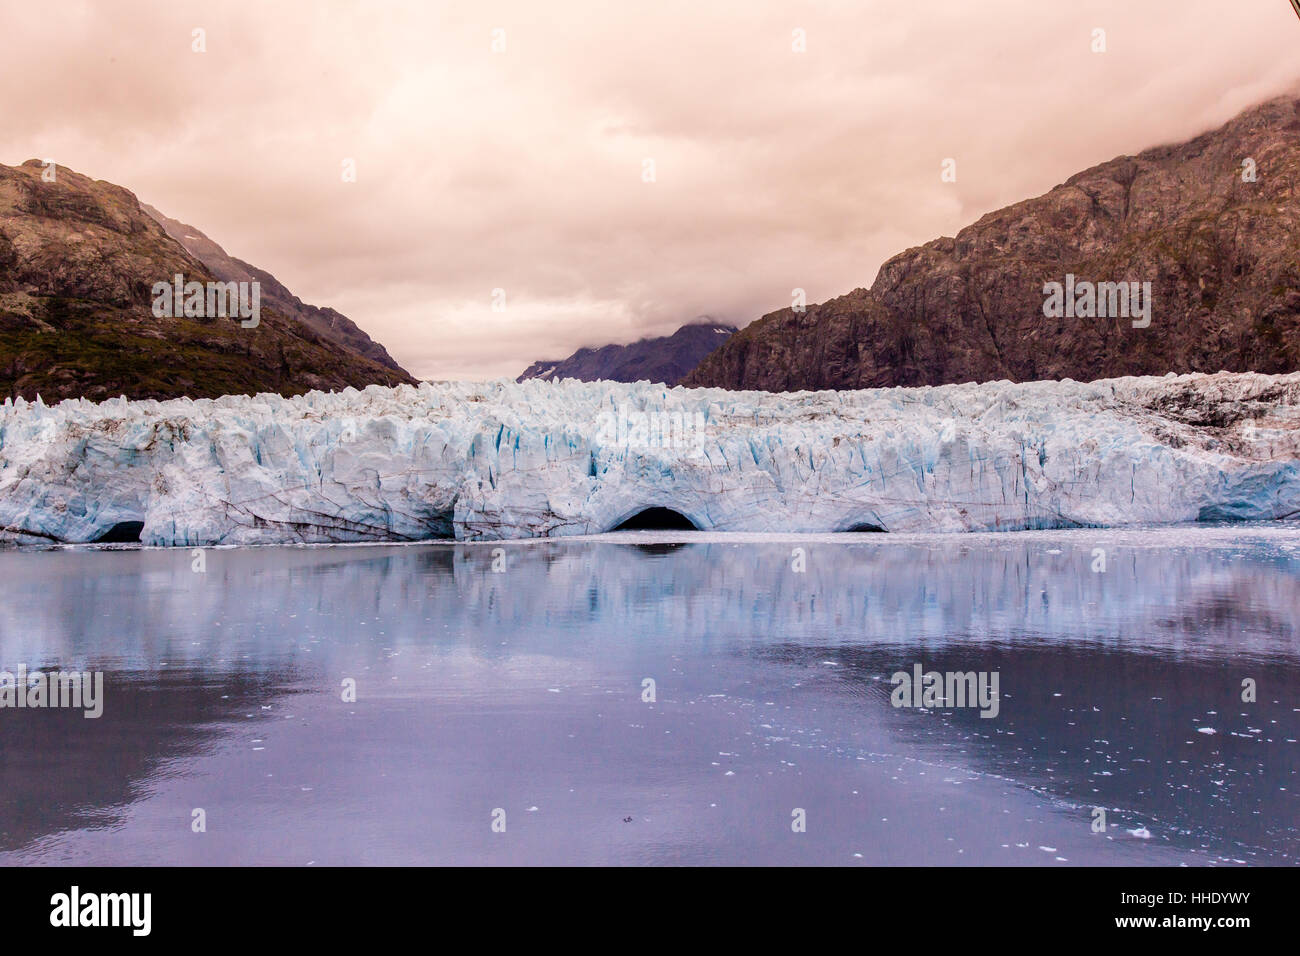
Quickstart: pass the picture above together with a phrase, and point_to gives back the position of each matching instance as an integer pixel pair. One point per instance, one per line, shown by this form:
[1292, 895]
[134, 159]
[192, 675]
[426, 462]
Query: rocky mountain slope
[329, 323]
[1222, 254]
[78, 260]
[667, 358]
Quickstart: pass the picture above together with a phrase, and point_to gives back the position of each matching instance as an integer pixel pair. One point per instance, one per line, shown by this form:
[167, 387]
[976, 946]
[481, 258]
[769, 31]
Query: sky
[613, 169]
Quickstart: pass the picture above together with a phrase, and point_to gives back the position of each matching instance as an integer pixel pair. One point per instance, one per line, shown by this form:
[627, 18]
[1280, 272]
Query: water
[522, 691]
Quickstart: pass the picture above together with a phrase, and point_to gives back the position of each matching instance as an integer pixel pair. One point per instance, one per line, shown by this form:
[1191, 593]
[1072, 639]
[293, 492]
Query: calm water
[522, 690]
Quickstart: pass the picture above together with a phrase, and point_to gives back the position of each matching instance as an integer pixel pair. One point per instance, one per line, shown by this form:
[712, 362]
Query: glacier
[499, 460]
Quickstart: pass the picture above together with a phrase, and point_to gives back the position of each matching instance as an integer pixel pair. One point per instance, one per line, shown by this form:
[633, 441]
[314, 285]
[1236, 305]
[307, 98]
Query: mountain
[667, 359]
[329, 323]
[1222, 254]
[78, 261]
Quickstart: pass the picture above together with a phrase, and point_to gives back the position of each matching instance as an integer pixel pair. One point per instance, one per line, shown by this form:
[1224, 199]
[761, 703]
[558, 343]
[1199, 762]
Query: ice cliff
[504, 459]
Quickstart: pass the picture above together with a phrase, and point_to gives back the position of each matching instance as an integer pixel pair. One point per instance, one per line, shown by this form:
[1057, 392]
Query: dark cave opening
[658, 519]
[124, 532]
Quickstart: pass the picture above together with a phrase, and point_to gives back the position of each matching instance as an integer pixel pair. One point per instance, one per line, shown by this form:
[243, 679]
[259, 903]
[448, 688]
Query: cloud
[523, 169]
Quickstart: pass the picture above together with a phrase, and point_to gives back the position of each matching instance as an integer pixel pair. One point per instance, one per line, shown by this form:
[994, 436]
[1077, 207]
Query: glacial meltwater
[652, 697]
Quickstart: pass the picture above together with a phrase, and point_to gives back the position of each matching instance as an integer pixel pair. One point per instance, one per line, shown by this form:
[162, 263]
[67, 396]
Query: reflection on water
[522, 689]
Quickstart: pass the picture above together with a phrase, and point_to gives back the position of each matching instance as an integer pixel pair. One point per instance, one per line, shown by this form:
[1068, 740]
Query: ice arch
[124, 532]
[656, 519]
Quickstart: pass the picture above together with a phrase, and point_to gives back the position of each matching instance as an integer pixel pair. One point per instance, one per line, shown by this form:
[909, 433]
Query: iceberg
[498, 460]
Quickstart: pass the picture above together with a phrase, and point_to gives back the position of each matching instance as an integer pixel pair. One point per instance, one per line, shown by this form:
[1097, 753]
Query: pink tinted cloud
[522, 169]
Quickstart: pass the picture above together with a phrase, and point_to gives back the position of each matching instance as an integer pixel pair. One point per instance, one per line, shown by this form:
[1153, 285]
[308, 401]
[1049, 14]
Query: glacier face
[504, 459]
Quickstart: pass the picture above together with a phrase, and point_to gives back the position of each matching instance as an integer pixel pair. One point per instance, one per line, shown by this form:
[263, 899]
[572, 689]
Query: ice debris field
[504, 460]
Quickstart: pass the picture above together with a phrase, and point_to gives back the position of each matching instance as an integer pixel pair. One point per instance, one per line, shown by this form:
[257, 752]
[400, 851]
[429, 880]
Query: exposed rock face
[78, 260]
[1220, 253]
[666, 359]
[537, 459]
[329, 323]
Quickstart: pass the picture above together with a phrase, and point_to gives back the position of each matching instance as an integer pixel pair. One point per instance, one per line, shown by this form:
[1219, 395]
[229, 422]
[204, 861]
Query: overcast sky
[524, 169]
